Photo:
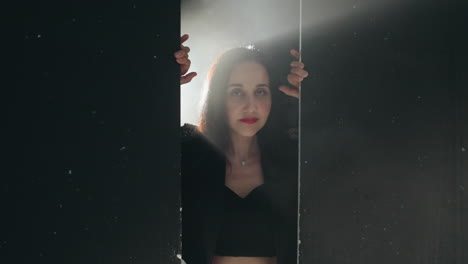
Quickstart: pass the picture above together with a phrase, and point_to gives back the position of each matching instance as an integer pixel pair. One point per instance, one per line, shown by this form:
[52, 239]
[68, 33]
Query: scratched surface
[384, 133]
[93, 135]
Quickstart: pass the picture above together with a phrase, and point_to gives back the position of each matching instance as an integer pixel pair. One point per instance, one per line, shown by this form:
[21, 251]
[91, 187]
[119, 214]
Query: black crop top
[246, 229]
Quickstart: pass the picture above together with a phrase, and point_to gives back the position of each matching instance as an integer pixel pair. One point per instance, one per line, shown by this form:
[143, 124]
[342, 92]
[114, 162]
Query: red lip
[249, 120]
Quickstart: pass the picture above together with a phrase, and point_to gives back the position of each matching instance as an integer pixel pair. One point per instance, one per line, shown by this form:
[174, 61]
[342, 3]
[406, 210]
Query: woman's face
[248, 100]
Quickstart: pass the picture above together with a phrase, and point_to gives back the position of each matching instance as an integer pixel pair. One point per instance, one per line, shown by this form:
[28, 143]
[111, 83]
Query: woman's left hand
[295, 77]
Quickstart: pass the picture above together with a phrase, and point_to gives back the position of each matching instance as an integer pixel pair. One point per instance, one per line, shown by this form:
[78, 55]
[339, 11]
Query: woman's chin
[249, 134]
[246, 132]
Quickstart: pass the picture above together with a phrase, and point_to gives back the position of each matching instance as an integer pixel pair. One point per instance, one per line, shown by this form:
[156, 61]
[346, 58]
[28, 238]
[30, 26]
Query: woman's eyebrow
[235, 85]
[261, 85]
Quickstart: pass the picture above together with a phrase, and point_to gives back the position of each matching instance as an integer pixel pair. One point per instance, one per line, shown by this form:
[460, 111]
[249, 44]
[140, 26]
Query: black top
[204, 203]
[246, 229]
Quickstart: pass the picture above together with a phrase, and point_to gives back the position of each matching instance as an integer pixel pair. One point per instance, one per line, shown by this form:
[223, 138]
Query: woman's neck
[243, 148]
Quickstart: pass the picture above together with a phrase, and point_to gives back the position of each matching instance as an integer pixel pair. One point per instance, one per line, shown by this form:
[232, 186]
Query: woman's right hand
[182, 58]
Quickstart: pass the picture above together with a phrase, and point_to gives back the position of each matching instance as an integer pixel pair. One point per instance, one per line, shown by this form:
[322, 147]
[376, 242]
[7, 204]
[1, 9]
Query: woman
[237, 197]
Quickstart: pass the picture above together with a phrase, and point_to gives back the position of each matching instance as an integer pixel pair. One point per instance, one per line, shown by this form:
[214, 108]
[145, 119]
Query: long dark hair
[213, 122]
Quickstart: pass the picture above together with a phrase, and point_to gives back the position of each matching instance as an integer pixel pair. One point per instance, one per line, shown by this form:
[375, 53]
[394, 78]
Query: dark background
[92, 138]
[93, 135]
[384, 160]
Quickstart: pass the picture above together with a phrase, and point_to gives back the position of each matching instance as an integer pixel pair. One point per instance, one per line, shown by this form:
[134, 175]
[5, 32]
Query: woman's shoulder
[189, 131]
[193, 141]
[196, 149]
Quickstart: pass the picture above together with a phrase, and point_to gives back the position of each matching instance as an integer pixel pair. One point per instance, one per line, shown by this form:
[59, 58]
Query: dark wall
[384, 163]
[93, 135]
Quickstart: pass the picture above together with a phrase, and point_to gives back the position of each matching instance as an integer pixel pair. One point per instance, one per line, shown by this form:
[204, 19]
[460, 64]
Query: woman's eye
[261, 92]
[236, 92]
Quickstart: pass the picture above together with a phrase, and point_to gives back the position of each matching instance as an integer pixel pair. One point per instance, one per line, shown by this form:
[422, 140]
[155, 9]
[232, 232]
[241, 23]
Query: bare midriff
[243, 260]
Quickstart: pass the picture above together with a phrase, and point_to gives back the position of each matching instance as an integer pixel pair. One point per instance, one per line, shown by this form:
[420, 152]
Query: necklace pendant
[243, 163]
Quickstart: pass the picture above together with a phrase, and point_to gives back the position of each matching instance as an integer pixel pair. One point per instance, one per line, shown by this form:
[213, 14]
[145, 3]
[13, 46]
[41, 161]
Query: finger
[294, 80]
[185, 67]
[184, 38]
[185, 48]
[183, 60]
[300, 72]
[180, 54]
[297, 64]
[187, 78]
[294, 92]
[295, 53]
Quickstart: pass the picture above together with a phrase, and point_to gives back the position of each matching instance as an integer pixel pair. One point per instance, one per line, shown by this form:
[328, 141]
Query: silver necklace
[244, 162]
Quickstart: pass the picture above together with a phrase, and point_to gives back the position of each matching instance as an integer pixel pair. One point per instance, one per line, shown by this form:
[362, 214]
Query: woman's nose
[250, 104]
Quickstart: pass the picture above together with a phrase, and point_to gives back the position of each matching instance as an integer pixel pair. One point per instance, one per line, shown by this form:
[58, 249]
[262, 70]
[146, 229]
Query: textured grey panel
[94, 176]
[383, 133]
